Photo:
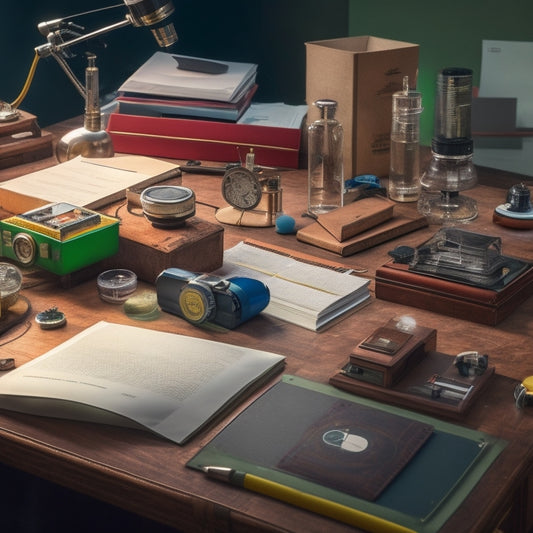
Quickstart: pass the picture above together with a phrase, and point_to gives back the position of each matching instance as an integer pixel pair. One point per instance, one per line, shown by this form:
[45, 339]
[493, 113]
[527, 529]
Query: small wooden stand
[381, 367]
[197, 246]
[22, 141]
[395, 368]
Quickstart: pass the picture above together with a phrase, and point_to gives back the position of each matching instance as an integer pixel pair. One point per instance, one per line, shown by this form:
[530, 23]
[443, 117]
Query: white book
[160, 76]
[124, 375]
[82, 181]
[301, 292]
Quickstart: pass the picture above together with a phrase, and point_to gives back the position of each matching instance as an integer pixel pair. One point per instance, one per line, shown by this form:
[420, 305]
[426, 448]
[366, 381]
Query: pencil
[342, 513]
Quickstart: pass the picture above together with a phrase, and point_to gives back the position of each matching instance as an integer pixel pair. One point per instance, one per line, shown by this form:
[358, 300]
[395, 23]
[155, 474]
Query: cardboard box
[361, 74]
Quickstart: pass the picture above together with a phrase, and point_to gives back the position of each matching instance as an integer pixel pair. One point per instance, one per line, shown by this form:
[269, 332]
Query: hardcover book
[209, 140]
[138, 104]
[160, 76]
[396, 283]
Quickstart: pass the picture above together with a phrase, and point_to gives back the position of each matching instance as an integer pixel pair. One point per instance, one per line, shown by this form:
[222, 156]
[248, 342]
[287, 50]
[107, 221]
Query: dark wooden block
[197, 246]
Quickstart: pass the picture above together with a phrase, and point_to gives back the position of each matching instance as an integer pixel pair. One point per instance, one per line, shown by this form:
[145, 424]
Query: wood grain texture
[140, 472]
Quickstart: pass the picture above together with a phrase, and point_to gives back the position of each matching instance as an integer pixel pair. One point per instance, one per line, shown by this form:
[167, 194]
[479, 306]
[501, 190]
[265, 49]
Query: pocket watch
[241, 188]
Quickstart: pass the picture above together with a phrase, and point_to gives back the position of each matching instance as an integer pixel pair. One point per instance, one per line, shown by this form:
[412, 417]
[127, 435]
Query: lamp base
[239, 217]
[447, 208]
[503, 216]
[86, 143]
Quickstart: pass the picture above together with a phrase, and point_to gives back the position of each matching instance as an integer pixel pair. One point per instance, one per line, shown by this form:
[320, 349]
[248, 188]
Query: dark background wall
[271, 33]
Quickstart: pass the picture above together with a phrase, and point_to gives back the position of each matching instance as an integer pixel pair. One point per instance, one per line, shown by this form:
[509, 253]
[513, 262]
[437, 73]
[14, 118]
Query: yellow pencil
[342, 513]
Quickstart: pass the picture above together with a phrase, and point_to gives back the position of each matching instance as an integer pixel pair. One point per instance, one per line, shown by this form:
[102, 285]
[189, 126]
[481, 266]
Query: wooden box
[396, 283]
[197, 246]
[373, 360]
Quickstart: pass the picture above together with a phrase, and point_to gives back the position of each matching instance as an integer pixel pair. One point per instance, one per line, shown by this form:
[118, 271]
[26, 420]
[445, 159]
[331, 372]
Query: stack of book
[192, 108]
[167, 85]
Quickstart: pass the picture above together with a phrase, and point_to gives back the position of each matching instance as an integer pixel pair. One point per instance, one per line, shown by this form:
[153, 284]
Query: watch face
[24, 248]
[241, 188]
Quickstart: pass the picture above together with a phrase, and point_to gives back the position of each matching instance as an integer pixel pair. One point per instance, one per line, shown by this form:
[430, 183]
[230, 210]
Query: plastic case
[31, 243]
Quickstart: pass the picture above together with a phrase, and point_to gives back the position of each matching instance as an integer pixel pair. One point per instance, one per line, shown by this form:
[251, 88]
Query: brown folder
[403, 221]
[382, 445]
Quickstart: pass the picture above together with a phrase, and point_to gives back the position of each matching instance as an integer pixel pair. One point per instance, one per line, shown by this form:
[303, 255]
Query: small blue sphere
[285, 224]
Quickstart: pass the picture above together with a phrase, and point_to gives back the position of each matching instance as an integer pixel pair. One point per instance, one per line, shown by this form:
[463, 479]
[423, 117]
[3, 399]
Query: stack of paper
[301, 292]
[165, 111]
[160, 88]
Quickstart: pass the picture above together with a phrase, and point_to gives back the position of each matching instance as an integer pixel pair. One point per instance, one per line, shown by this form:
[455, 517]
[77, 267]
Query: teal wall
[449, 34]
[270, 33]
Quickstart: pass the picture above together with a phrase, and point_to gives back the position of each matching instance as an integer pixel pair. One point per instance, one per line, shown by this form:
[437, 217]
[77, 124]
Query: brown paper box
[361, 74]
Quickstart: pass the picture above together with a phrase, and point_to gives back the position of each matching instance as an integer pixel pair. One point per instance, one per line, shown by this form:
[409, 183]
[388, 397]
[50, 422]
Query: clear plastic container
[117, 285]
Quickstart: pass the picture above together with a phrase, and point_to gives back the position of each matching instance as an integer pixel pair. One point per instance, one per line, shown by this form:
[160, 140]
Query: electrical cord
[27, 83]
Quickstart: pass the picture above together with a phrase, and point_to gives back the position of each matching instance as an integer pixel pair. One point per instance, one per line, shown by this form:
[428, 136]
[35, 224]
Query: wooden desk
[146, 474]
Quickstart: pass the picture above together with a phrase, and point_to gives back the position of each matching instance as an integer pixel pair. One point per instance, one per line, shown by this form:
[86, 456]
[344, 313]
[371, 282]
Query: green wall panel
[449, 34]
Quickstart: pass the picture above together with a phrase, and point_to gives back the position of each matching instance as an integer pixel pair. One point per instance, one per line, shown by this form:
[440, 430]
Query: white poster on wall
[507, 71]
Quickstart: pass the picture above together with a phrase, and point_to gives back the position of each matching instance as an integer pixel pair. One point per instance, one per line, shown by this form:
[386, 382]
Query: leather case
[391, 440]
[403, 221]
[356, 217]
[395, 283]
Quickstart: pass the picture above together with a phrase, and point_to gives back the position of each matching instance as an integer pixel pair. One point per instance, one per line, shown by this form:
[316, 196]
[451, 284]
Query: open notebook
[112, 373]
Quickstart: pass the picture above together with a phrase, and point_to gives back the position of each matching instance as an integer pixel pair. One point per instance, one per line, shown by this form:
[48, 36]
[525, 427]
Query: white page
[274, 114]
[85, 181]
[171, 384]
[160, 76]
[507, 71]
[304, 288]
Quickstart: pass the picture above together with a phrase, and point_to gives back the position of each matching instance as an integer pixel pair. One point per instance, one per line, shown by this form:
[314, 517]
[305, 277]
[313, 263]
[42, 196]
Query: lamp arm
[56, 47]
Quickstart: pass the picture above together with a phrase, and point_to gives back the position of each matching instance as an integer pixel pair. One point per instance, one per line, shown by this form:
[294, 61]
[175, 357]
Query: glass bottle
[404, 175]
[326, 170]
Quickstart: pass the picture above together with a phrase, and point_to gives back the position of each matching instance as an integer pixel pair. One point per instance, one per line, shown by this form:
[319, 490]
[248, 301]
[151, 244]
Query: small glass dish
[117, 285]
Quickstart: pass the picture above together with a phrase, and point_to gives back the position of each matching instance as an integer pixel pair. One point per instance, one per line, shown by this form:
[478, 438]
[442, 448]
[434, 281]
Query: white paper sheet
[170, 384]
[507, 71]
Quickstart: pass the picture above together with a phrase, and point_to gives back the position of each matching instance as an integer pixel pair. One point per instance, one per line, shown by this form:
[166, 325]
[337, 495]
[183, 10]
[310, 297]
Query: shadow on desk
[32, 505]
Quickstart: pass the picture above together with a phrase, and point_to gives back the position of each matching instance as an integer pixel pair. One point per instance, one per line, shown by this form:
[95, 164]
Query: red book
[204, 140]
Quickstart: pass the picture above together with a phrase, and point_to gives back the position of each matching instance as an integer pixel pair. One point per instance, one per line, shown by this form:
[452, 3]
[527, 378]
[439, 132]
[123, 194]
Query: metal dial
[24, 248]
[241, 188]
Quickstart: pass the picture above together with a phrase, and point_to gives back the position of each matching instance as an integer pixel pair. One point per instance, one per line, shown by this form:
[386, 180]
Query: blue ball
[285, 224]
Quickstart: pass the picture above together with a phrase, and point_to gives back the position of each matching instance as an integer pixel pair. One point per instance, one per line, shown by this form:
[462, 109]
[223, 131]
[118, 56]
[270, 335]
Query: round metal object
[241, 188]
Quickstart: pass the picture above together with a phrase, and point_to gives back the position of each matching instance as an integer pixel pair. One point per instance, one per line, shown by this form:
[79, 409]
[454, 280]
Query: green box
[29, 246]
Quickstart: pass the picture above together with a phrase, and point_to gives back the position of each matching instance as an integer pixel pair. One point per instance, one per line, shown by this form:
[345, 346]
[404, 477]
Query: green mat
[422, 496]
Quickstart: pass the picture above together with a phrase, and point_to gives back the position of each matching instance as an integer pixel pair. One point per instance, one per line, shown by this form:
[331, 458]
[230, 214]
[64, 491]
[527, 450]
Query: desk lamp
[451, 169]
[61, 34]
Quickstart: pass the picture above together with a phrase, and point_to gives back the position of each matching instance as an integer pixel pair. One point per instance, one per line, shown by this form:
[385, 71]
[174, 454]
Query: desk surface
[146, 474]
